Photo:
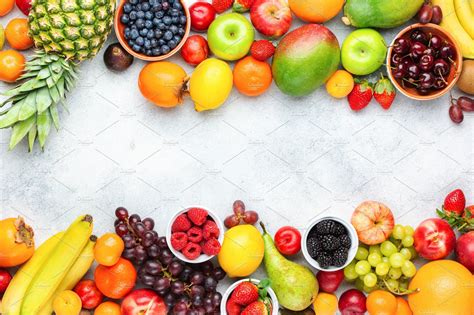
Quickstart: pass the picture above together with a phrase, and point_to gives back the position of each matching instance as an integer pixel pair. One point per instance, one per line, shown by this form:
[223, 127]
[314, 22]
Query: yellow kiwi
[466, 80]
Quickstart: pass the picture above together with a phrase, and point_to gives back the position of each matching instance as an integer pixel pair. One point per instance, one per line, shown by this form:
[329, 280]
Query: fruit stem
[263, 227]
[93, 238]
[87, 218]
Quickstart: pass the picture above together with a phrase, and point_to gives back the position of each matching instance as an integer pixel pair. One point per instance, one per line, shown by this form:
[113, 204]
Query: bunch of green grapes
[386, 266]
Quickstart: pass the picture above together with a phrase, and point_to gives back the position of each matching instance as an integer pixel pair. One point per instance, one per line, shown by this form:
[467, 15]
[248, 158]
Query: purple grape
[139, 228]
[121, 213]
[175, 268]
[161, 284]
[134, 218]
[197, 290]
[218, 273]
[166, 257]
[169, 299]
[129, 253]
[197, 277]
[140, 253]
[238, 207]
[210, 284]
[128, 241]
[161, 242]
[216, 299]
[177, 287]
[148, 280]
[149, 224]
[148, 238]
[186, 274]
[153, 267]
[121, 229]
[153, 251]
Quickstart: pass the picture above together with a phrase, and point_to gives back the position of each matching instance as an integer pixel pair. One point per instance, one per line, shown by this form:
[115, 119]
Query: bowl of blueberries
[424, 61]
[152, 30]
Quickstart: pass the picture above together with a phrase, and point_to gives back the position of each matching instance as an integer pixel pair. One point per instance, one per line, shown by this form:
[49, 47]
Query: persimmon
[17, 243]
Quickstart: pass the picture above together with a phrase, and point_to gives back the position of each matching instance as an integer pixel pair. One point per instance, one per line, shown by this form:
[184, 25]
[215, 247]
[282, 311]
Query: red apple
[195, 50]
[202, 14]
[141, 302]
[352, 302]
[5, 279]
[465, 250]
[373, 222]
[272, 18]
[329, 281]
[434, 239]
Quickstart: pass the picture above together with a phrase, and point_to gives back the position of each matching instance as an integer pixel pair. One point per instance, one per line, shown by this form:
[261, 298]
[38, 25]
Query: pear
[295, 285]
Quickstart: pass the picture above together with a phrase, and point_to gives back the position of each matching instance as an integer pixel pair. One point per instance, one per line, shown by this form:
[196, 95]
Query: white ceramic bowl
[352, 250]
[203, 257]
[228, 292]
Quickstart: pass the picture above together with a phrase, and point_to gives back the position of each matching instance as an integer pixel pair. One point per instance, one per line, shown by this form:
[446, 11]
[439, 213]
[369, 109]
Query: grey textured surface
[289, 159]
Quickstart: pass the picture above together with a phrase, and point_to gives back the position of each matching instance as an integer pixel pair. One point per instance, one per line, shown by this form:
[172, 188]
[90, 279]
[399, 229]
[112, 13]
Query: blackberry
[330, 242]
[324, 260]
[339, 257]
[314, 247]
[325, 227]
[339, 229]
[345, 241]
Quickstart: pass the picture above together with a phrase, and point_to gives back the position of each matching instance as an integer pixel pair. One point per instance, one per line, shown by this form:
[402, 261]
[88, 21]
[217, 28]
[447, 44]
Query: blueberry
[149, 52]
[126, 34]
[165, 5]
[148, 24]
[147, 44]
[158, 34]
[133, 15]
[125, 19]
[143, 32]
[165, 49]
[181, 31]
[161, 42]
[167, 20]
[136, 48]
[172, 43]
[149, 15]
[182, 20]
[145, 6]
[133, 1]
[156, 51]
[156, 21]
[133, 27]
[162, 26]
[131, 42]
[140, 23]
[177, 5]
[159, 14]
[153, 42]
[174, 12]
[138, 7]
[153, 2]
[150, 34]
[177, 38]
[140, 14]
[174, 29]
[134, 34]
[156, 8]
[168, 35]
[127, 7]
[140, 41]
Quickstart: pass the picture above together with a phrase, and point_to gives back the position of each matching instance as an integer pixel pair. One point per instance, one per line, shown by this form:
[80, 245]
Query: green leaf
[60, 87]
[11, 116]
[50, 82]
[53, 110]
[43, 100]
[44, 73]
[53, 92]
[32, 137]
[44, 127]
[20, 130]
[29, 107]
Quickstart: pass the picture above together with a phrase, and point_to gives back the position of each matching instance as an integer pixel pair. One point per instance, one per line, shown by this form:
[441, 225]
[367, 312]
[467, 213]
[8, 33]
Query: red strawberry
[455, 202]
[233, 308]
[222, 5]
[197, 215]
[179, 240]
[262, 49]
[256, 308]
[210, 230]
[245, 293]
[361, 95]
[195, 234]
[212, 247]
[384, 92]
[242, 6]
[181, 224]
[192, 251]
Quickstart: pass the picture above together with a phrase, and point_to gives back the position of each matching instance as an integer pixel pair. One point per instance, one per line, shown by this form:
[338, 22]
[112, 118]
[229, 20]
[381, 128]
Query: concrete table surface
[290, 159]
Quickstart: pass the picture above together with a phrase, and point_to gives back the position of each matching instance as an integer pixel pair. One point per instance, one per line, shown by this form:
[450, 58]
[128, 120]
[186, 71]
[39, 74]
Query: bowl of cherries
[424, 61]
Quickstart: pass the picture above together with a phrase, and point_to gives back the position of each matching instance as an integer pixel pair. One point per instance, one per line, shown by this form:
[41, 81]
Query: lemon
[242, 251]
[210, 84]
[2, 36]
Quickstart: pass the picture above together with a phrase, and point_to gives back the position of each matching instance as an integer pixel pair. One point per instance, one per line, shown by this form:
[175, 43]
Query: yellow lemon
[340, 84]
[67, 303]
[210, 84]
[325, 304]
[242, 251]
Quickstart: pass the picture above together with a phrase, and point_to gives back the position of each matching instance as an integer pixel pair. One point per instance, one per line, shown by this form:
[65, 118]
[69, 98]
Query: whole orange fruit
[17, 36]
[251, 76]
[402, 307]
[381, 302]
[116, 281]
[325, 304]
[340, 84]
[108, 308]
[108, 249]
[6, 6]
[316, 11]
[12, 65]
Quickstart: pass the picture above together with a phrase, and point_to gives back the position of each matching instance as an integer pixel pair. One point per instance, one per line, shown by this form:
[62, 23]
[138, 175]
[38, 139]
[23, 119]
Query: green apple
[363, 51]
[2, 36]
[230, 36]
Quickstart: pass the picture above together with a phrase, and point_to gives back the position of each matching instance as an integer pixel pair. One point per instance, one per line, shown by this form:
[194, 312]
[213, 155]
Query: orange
[116, 281]
[402, 307]
[17, 36]
[316, 11]
[12, 65]
[381, 302]
[108, 249]
[251, 76]
[340, 84]
[325, 304]
[108, 308]
[6, 6]
[445, 287]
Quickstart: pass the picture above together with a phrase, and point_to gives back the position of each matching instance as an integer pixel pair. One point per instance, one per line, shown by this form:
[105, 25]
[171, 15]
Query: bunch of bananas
[57, 265]
[458, 20]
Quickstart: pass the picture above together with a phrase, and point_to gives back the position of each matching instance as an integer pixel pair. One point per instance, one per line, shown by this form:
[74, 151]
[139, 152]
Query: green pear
[295, 285]
[2, 37]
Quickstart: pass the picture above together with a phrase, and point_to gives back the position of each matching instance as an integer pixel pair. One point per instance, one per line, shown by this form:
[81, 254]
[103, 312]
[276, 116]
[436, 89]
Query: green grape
[359, 284]
[409, 231]
[413, 252]
[375, 249]
[395, 273]
[392, 284]
[403, 285]
[370, 280]
[385, 259]
[408, 269]
[408, 241]
[388, 248]
[382, 268]
[349, 271]
[398, 232]
[362, 267]
[406, 253]
[397, 260]
[374, 259]
[362, 253]
[367, 289]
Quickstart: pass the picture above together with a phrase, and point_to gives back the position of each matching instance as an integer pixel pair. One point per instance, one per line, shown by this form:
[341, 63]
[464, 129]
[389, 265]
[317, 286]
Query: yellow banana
[54, 270]
[471, 3]
[13, 297]
[451, 24]
[74, 275]
[465, 16]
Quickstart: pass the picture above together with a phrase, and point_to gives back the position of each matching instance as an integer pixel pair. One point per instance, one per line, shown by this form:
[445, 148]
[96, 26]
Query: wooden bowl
[119, 30]
[453, 75]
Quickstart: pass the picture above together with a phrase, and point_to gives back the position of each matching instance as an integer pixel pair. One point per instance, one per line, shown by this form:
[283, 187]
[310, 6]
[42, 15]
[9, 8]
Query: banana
[465, 16]
[74, 275]
[451, 24]
[55, 269]
[471, 3]
[13, 297]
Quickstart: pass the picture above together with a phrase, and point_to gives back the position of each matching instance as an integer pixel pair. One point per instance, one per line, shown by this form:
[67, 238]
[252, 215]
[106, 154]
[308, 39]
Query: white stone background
[290, 159]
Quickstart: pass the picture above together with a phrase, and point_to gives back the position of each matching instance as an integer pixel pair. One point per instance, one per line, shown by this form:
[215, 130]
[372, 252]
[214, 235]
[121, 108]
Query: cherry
[441, 67]
[447, 52]
[396, 59]
[423, 91]
[430, 51]
[418, 49]
[402, 46]
[427, 80]
[426, 62]
[439, 83]
[419, 36]
[413, 71]
[435, 42]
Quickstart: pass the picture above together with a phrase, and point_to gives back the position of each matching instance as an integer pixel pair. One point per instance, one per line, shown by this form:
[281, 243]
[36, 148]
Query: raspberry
[195, 234]
[181, 224]
[210, 230]
[197, 215]
[192, 251]
[179, 240]
[212, 247]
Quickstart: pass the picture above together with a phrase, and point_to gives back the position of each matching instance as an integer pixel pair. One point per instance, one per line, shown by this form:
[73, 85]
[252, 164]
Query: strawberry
[181, 224]
[455, 202]
[197, 215]
[179, 240]
[384, 92]
[211, 247]
[242, 6]
[222, 5]
[262, 49]
[245, 293]
[361, 95]
[233, 308]
[256, 308]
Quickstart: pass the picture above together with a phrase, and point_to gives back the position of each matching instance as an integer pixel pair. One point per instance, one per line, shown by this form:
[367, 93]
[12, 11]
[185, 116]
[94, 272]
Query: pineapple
[66, 32]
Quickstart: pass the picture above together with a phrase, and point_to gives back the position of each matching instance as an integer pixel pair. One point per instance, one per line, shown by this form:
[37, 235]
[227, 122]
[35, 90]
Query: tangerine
[340, 84]
[116, 281]
[12, 65]
[108, 308]
[108, 249]
[17, 35]
[402, 307]
[6, 6]
[325, 304]
[381, 302]
[316, 11]
[251, 76]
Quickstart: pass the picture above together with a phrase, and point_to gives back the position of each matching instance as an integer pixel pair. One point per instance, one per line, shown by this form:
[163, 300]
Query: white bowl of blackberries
[152, 30]
[329, 243]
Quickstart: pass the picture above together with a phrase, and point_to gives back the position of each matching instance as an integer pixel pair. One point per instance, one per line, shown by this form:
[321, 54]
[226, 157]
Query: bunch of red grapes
[187, 289]
[240, 216]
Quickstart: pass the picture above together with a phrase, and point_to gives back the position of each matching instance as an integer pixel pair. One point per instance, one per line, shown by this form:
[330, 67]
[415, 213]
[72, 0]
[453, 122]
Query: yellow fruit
[445, 288]
[340, 84]
[210, 84]
[67, 303]
[465, 16]
[466, 79]
[2, 36]
[242, 251]
[325, 304]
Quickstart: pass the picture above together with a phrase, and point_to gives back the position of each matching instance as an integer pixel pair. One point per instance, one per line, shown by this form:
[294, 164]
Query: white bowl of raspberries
[195, 234]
